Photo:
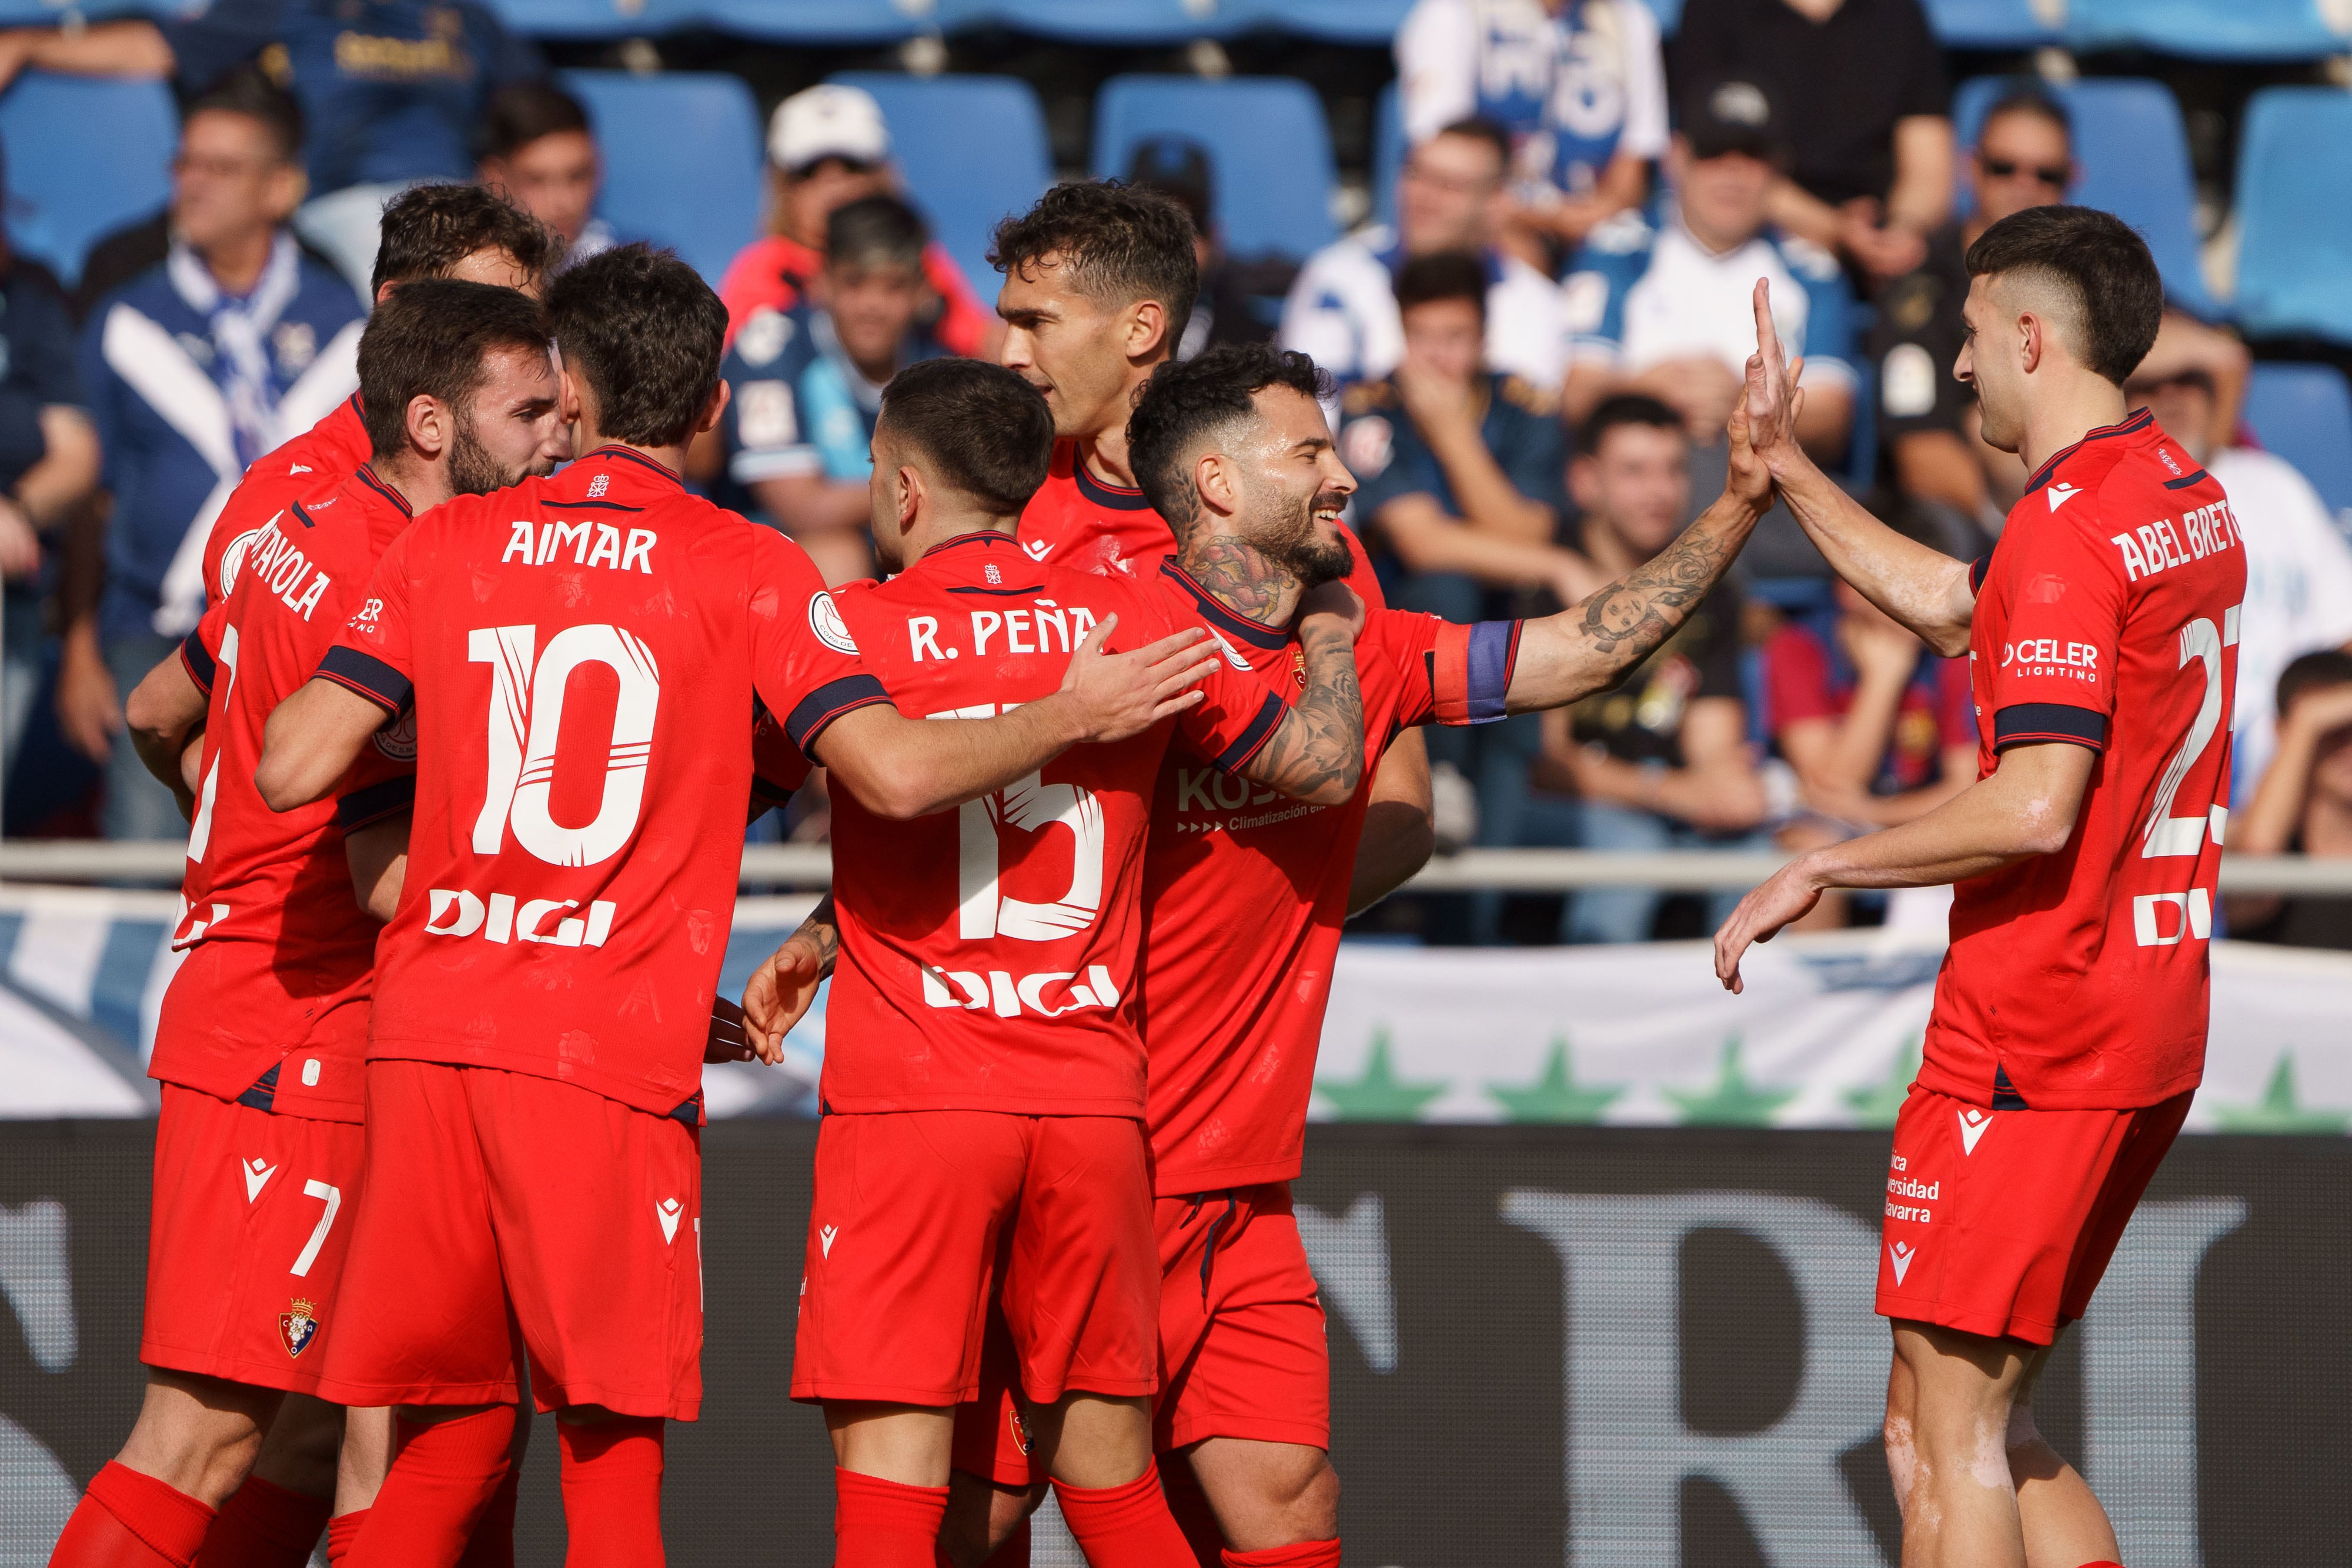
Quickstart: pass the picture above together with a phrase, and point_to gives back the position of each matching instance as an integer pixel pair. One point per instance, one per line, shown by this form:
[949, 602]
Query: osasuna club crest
[297, 1328]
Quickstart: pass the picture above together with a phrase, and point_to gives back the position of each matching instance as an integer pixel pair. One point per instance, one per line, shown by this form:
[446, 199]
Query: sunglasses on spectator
[2052, 175]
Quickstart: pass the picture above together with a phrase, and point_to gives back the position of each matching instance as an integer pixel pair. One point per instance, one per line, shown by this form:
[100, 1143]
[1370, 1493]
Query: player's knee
[1304, 1494]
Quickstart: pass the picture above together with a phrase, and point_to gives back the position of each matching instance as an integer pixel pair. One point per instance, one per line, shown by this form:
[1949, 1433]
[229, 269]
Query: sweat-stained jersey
[1076, 520]
[2107, 617]
[583, 652]
[1246, 893]
[270, 1001]
[990, 955]
[322, 456]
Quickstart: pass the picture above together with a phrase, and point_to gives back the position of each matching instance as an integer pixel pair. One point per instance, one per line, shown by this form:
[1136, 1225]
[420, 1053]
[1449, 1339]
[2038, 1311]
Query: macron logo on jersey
[1901, 1256]
[1973, 1123]
[2062, 493]
[1036, 550]
[258, 1173]
[668, 1211]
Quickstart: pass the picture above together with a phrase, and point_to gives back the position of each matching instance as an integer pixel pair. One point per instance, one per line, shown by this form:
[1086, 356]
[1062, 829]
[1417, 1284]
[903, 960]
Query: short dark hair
[1120, 243]
[2102, 264]
[876, 230]
[1187, 401]
[1442, 275]
[2029, 98]
[1625, 408]
[521, 112]
[2311, 672]
[247, 90]
[428, 229]
[434, 338]
[985, 430]
[1478, 128]
[646, 333]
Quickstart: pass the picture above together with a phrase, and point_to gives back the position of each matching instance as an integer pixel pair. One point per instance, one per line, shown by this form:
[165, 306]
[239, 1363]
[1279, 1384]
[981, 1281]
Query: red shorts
[2001, 1222]
[921, 1216]
[1241, 1340]
[498, 1195]
[246, 1248]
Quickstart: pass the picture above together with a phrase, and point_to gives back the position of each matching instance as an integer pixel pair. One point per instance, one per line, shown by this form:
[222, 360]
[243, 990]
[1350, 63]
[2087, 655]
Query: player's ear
[712, 410]
[2031, 340]
[912, 494]
[430, 425]
[1214, 477]
[1146, 327]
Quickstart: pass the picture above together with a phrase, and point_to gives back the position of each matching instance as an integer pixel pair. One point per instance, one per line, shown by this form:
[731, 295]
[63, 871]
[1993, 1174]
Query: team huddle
[449, 985]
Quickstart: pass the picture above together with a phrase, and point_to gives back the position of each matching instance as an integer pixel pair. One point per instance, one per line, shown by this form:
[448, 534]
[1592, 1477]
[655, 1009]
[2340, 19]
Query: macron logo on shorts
[825, 1238]
[1973, 1123]
[257, 1176]
[1901, 1255]
[666, 1211]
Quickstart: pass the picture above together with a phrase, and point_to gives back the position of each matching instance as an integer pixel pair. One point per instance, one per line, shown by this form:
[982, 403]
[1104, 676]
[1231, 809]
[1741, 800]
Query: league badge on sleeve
[295, 1327]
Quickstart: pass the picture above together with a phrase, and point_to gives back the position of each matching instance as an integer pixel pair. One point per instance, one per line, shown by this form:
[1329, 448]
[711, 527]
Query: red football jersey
[279, 952]
[583, 652]
[989, 954]
[2107, 617]
[319, 458]
[1076, 520]
[1246, 891]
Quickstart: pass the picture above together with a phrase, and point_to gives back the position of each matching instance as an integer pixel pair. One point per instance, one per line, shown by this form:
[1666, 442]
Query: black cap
[1731, 114]
[1178, 167]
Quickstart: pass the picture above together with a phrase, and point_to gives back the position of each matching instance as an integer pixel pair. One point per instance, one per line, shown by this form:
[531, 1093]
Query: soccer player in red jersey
[1245, 895]
[259, 1036]
[984, 1088]
[2069, 1023]
[462, 232]
[579, 652]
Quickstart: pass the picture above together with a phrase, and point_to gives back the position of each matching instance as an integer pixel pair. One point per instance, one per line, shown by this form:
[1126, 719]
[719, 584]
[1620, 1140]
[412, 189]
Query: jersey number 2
[2164, 919]
[525, 720]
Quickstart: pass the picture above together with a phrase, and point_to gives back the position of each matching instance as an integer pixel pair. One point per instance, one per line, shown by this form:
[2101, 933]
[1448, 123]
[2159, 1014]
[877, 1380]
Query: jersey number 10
[525, 720]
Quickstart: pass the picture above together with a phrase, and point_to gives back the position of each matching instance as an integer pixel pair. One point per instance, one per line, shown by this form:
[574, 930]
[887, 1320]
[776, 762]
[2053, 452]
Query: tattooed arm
[782, 989]
[1317, 753]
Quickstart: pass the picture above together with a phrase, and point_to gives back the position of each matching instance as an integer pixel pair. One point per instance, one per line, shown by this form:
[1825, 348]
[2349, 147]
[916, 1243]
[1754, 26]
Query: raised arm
[1924, 589]
[310, 741]
[1317, 754]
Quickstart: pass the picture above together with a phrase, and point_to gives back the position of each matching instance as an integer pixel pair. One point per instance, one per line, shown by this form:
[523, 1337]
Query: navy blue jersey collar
[1214, 612]
[619, 454]
[367, 477]
[2131, 426]
[1111, 497]
[984, 538]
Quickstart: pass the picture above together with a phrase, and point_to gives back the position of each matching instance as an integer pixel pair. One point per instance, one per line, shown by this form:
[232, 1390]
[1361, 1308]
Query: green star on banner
[1378, 1095]
[2280, 1109]
[1556, 1096]
[1733, 1102]
[1877, 1104]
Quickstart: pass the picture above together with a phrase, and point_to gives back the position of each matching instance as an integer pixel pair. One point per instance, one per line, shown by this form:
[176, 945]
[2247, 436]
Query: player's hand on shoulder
[1332, 607]
[1120, 695]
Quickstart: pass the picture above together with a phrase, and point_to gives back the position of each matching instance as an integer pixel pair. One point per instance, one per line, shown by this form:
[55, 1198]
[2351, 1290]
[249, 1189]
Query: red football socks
[1125, 1526]
[127, 1520]
[263, 1525]
[492, 1543]
[885, 1524]
[1306, 1554]
[437, 1489]
[341, 1530]
[611, 1491]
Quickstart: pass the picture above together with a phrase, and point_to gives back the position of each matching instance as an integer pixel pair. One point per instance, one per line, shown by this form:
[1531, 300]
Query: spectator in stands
[392, 92]
[1462, 471]
[807, 383]
[2298, 568]
[1227, 309]
[1661, 762]
[1877, 730]
[1868, 117]
[2302, 805]
[828, 147]
[195, 368]
[1342, 311]
[1579, 85]
[538, 149]
[48, 464]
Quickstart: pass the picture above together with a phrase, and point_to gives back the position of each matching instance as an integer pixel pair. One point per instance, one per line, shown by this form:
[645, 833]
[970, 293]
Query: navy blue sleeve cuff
[1977, 569]
[198, 660]
[2022, 723]
[817, 710]
[1253, 739]
[368, 675]
[1492, 654]
[365, 807]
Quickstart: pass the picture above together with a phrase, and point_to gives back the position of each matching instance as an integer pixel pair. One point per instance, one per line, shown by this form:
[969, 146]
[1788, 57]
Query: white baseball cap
[827, 121]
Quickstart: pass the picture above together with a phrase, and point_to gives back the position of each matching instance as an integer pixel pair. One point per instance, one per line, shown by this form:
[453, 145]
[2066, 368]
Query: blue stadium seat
[1989, 24]
[86, 155]
[2294, 212]
[1267, 145]
[1103, 21]
[2133, 157]
[1388, 153]
[2304, 413]
[822, 21]
[971, 147]
[682, 160]
[2205, 30]
[1341, 21]
[596, 19]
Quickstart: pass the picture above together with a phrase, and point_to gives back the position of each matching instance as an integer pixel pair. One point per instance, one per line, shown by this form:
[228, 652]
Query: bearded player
[1246, 898]
[983, 1140]
[258, 1040]
[2070, 1016]
[534, 1057]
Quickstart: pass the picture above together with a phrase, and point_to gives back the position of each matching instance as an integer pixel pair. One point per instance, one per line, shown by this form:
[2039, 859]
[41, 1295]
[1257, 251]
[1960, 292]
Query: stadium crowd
[1537, 358]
